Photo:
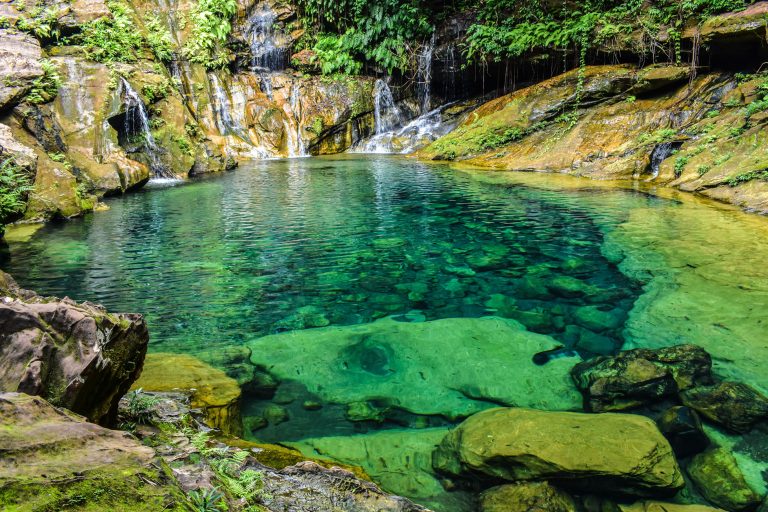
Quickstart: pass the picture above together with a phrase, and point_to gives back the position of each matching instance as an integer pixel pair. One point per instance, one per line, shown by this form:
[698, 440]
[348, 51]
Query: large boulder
[525, 497]
[76, 355]
[638, 377]
[52, 459]
[734, 405]
[657, 506]
[20, 56]
[211, 390]
[718, 476]
[604, 452]
[429, 368]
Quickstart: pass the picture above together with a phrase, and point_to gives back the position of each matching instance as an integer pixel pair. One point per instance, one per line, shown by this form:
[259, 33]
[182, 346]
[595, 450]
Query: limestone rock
[433, 368]
[20, 56]
[602, 452]
[525, 497]
[748, 23]
[718, 477]
[682, 427]
[638, 377]
[23, 155]
[51, 458]
[75, 355]
[654, 78]
[734, 405]
[212, 391]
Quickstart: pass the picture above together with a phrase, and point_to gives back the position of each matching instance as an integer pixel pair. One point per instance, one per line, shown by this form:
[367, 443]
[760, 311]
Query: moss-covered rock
[527, 496]
[718, 476]
[734, 405]
[53, 460]
[600, 452]
[212, 391]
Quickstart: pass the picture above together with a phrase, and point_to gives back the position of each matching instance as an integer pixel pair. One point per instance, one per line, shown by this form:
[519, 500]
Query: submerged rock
[682, 427]
[76, 355]
[637, 377]
[617, 453]
[211, 390]
[734, 405]
[657, 506]
[718, 477]
[527, 496]
[432, 368]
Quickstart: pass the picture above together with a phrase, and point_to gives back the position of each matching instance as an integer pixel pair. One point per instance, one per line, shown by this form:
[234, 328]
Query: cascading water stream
[424, 76]
[269, 50]
[386, 113]
[660, 153]
[137, 123]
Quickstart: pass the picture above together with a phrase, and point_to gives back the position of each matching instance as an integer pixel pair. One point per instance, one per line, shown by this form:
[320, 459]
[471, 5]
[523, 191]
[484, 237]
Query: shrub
[45, 88]
[115, 39]
[14, 187]
[210, 30]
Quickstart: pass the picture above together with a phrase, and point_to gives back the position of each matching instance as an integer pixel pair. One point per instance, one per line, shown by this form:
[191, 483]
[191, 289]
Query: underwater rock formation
[734, 405]
[638, 377]
[76, 355]
[526, 496]
[427, 368]
[717, 475]
[617, 453]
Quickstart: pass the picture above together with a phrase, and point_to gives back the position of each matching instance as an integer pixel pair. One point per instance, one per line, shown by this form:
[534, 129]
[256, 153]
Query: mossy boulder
[718, 476]
[526, 496]
[736, 406]
[639, 377]
[212, 391]
[429, 368]
[617, 453]
[657, 506]
[52, 459]
[75, 355]
[20, 56]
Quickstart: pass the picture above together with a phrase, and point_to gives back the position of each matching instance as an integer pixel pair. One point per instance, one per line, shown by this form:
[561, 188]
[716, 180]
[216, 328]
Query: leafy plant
[210, 30]
[14, 187]
[680, 163]
[112, 39]
[45, 88]
[205, 500]
[158, 38]
[748, 176]
[139, 406]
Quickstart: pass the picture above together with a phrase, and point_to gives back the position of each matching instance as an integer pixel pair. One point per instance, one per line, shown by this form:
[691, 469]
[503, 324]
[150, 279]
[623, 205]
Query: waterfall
[269, 50]
[137, 122]
[228, 117]
[660, 153]
[386, 114]
[296, 146]
[424, 76]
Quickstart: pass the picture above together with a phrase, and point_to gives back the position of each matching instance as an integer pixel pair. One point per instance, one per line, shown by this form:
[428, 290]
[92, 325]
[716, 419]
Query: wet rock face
[637, 377]
[734, 405]
[75, 355]
[20, 61]
[603, 452]
[528, 496]
[718, 477]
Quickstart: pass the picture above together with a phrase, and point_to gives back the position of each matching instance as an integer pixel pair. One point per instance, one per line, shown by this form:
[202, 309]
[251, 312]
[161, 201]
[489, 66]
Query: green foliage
[156, 92]
[113, 39]
[680, 163]
[41, 22]
[139, 406]
[14, 187]
[210, 30]
[205, 500]
[703, 169]
[158, 38]
[658, 137]
[45, 88]
[748, 176]
[384, 33]
[510, 28]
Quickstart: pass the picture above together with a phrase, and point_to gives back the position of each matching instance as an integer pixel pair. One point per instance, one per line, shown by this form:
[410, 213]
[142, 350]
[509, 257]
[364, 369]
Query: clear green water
[279, 246]
[350, 240]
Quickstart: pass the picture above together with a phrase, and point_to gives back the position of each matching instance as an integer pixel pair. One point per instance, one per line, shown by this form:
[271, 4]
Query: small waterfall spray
[137, 122]
[296, 145]
[660, 153]
[424, 76]
[269, 51]
[386, 114]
